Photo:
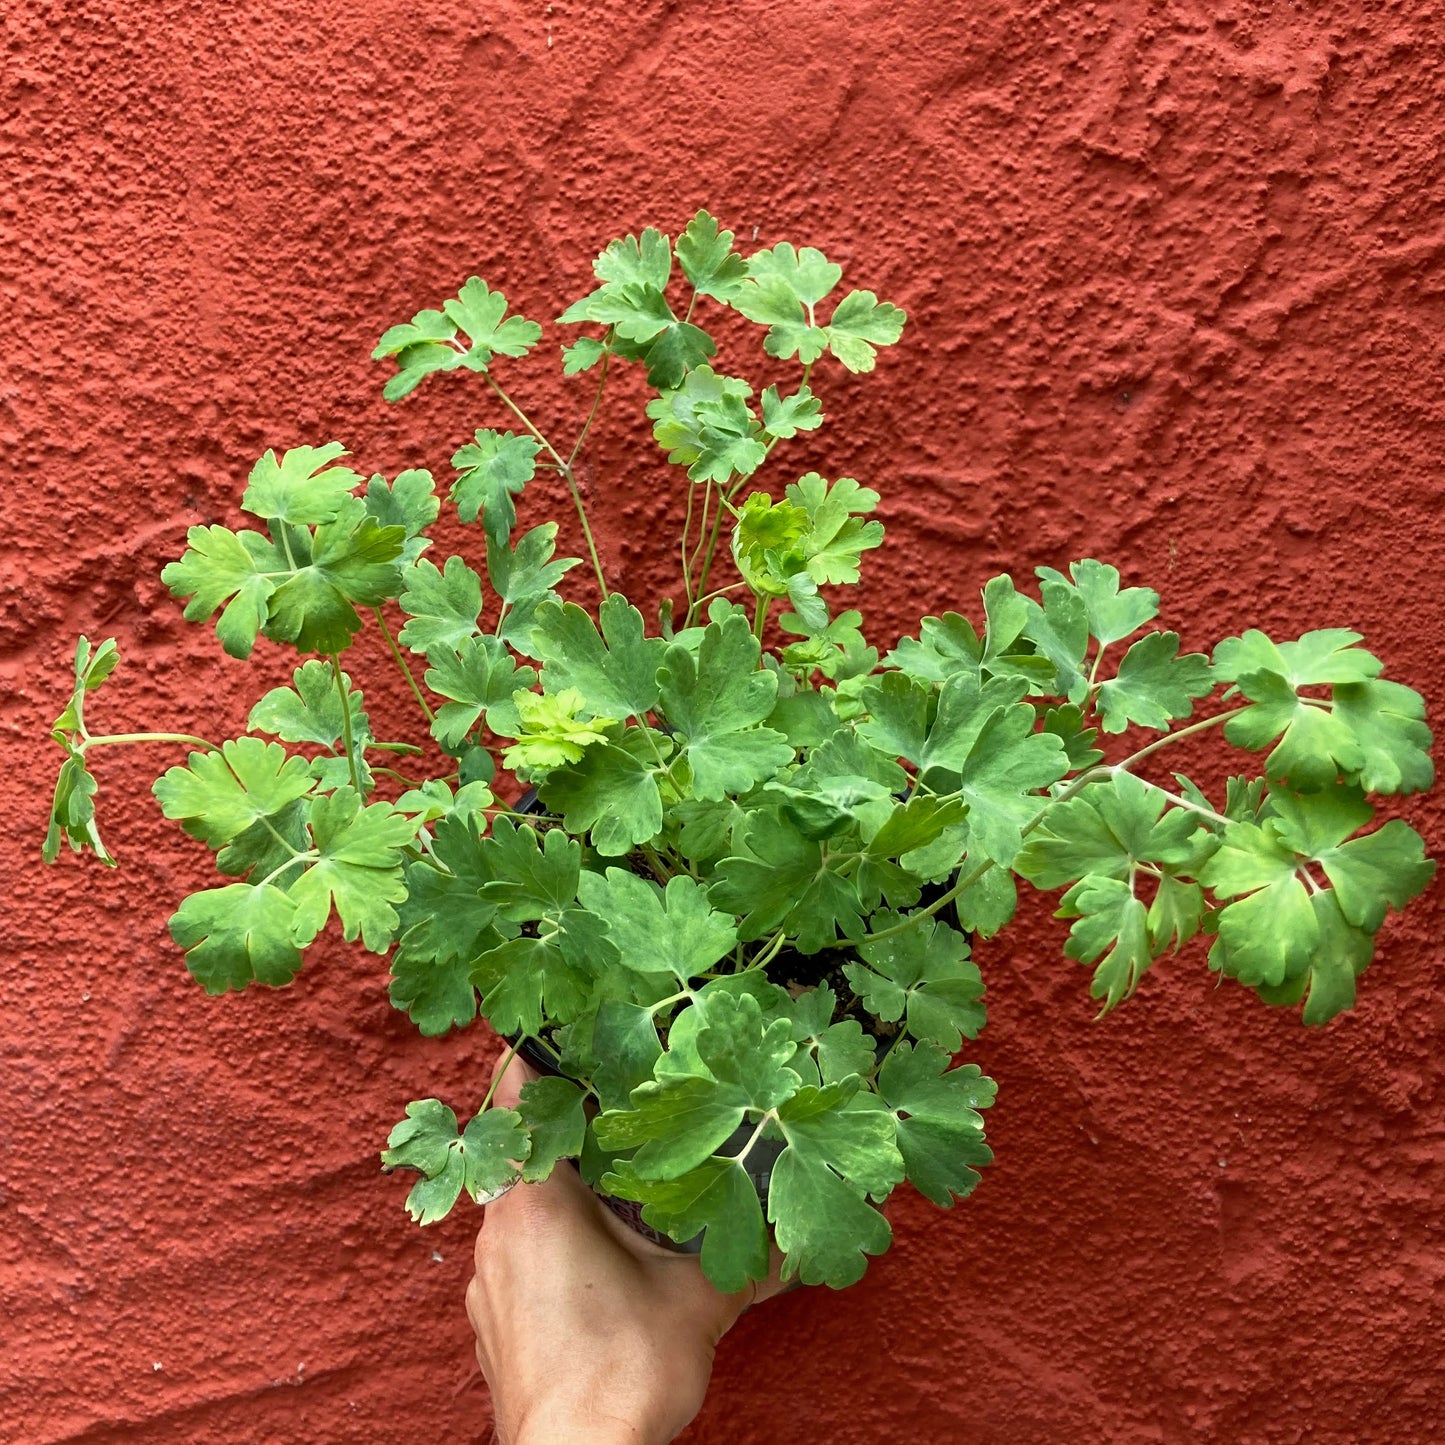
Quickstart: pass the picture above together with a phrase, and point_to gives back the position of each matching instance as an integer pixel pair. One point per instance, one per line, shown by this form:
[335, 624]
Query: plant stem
[591, 415]
[289, 863]
[686, 569]
[501, 1069]
[103, 740]
[760, 615]
[346, 738]
[711, 549]
[567, 475]
[1169, 738]
[401, 663]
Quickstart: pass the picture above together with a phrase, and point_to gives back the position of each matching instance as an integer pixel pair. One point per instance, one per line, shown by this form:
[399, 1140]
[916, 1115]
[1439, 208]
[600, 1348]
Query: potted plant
[725, 889]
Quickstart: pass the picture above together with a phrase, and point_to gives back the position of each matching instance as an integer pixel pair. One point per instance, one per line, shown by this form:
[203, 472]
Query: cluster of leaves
[734, 905]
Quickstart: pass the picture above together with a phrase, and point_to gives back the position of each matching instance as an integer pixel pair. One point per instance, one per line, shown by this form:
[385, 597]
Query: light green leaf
[218, 796]
[479, 675]
[717, 1200]
[923, 972]
[481, 1159]
[302, 488]
[358, 870]
[822, 1223]
[715, 701]
[611, 793]
[1154, 685]
[410, 502]
[860, 324]
[224, 567]
[939, 1129]
[616, 671]
[708, 260]
[669, 932]
[444, 607]
[1111, 931]
[238, 935]
[552, 1111]
[491, 470]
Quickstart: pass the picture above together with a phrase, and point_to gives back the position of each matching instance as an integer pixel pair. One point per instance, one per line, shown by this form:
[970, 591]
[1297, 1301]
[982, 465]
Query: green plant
[744, 913]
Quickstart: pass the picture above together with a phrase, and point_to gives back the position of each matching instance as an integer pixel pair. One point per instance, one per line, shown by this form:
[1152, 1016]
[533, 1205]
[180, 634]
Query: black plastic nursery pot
[764, 1152]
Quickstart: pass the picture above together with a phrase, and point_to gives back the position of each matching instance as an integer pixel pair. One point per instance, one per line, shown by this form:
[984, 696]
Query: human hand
[585, 1330]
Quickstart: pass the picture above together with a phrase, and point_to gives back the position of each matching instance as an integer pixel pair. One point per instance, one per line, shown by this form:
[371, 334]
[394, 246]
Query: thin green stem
[400, 777]
[662, 1003]
[343, 692]
[760, 615]
[104, 740]
[711, 547]
[408, 748]
[501, 1069]
[686, 531]
[307, 857]
[267, 825]
[1169, 738]
[770, 952]
[401, 663]
[567, 475]
[591, 415]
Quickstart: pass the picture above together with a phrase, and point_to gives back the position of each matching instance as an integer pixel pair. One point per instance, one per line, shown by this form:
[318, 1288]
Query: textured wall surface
[1175, 274]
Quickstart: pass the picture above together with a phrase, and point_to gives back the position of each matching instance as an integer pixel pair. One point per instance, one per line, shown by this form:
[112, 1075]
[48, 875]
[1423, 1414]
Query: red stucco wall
[1175, 275]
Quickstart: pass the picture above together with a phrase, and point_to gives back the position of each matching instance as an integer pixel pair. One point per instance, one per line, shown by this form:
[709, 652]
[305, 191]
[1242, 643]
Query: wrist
[561, 1425]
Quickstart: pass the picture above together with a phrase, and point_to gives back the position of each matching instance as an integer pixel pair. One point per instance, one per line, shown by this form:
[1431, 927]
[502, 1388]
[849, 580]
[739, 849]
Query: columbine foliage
[741, 907]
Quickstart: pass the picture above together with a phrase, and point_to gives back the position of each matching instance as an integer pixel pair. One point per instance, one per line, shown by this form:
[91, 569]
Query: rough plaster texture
[1176, 282]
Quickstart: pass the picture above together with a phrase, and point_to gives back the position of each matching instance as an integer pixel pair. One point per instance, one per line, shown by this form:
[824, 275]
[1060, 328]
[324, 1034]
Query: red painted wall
[1175, 275]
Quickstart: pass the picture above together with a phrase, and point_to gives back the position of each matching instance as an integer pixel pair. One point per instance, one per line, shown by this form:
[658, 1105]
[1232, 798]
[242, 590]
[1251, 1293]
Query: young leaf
[550, 730]
[582, 355]
[72, 813]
